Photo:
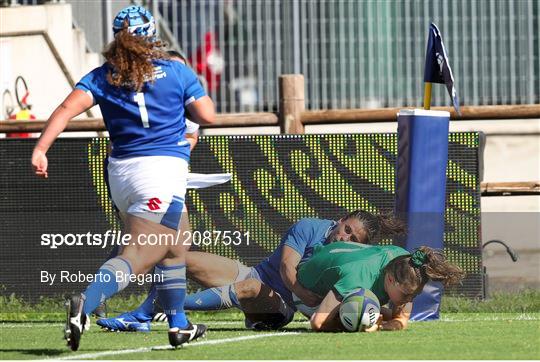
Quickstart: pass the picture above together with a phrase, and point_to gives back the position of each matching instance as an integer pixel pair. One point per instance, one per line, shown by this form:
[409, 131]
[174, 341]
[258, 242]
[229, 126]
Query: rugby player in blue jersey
[143, 96]
[264, 292]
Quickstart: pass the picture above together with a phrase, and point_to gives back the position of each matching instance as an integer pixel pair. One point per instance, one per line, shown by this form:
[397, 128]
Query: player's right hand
[40, 163]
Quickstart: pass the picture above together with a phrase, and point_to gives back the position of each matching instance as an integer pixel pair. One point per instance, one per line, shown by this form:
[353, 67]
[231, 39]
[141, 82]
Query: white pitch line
[168, 347]
[29, 325]
[494, 318]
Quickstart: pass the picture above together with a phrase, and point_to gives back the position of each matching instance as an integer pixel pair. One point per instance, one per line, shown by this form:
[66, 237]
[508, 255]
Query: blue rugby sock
[106, 283]
[145, 311]
[171, 291]
[213, 299]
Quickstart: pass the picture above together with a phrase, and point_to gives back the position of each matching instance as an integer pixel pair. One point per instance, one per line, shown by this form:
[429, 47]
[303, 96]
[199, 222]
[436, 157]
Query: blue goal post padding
[421, 190]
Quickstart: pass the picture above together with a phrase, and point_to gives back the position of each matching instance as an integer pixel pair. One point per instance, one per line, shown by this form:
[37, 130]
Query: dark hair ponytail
[413, 271]
[378, 226]
[130, 57]
[437, 268]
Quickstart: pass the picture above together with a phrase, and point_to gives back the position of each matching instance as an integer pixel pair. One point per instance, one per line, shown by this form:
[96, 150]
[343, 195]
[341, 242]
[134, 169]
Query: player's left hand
[376, 327]
[40, 163]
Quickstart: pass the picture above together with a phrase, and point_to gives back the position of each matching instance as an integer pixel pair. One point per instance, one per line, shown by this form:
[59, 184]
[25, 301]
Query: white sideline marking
[29, 325]
[168, 347]
[521, 317]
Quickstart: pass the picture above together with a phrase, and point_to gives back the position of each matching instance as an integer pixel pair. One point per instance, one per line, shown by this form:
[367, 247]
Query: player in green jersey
[390, 272]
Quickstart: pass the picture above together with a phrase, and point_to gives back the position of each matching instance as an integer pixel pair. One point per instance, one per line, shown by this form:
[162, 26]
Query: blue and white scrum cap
[139, 20]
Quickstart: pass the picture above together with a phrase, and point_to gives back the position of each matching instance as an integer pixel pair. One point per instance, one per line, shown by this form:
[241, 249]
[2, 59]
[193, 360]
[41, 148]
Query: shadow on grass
[35, 352]
[297, 329]
[45, 351]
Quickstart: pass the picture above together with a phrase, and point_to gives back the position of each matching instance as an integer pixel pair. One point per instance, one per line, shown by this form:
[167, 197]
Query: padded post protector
[421, 190]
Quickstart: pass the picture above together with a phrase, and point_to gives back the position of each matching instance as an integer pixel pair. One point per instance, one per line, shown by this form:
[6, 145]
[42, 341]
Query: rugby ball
[302, 308]
[359, 310]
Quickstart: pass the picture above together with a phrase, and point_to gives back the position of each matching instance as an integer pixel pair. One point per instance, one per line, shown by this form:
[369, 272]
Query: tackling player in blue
[264, 292]
[143, 95]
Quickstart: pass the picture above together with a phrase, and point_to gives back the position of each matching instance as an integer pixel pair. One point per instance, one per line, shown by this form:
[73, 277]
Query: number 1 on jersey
[139, 98]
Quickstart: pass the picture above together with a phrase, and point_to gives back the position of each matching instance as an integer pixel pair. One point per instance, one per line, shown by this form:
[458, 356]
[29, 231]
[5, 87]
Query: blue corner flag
[437, 68]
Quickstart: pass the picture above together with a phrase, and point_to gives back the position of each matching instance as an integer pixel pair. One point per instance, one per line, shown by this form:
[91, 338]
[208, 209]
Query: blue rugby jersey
[303, 237]
[150, 122]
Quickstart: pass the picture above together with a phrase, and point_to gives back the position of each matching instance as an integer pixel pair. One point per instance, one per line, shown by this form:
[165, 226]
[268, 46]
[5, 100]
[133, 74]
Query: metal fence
[363, 53]
[353, 53]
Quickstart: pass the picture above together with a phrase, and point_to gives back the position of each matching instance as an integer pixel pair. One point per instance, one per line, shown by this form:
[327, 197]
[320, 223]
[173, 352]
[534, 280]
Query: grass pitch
[478, 334]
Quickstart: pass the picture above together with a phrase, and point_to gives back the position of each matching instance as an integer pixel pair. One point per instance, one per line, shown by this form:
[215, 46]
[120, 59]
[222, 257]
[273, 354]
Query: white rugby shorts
[151, 187]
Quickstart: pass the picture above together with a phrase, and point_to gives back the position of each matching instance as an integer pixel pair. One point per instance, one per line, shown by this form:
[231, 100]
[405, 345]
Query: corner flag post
[420, 179]
[427, 95]
[437, 68]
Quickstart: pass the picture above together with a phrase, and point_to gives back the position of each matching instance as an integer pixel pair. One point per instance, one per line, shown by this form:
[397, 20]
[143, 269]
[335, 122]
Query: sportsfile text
[118, 238]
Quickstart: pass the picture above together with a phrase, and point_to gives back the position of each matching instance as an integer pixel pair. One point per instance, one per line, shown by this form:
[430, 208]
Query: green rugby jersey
[347, 266]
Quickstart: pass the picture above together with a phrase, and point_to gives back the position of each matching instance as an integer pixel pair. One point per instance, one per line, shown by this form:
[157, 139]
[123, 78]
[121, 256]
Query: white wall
[31, 57]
